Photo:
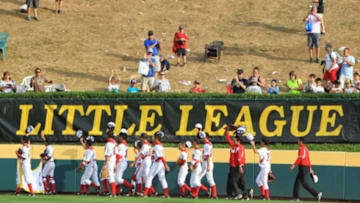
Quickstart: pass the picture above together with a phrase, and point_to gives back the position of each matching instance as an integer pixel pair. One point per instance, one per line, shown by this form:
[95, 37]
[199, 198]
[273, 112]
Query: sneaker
[31, 195]
[16, 193]
[317, 60]
[209, 193]
[319, 196]
[310, 60]
[59, 11]
[36, 18]
[238, 197]
[246, 199]
[323, 33]
[28, 18]
[251, 193]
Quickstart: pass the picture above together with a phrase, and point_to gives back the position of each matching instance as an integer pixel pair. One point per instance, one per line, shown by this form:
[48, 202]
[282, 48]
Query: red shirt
[237, 153]
[177, 37]
[303, 157]
[197, 90]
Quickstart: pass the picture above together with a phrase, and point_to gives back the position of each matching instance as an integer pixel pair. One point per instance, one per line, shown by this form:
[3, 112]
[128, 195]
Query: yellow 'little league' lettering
[184, 120]
[246, 115]
[278, 123]
[24, 119]
[296, 112]
[71, 110]
[49, 118]
[211, 119]
[98, 110]
[146, 119]
[327, 119]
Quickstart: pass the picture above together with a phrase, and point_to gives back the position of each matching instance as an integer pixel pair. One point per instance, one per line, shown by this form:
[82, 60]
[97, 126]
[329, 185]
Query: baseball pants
[120, 169]
[157, 168]
[90, 175]
[209, 174]
[183, 171]
[262, 178]
[195, 177]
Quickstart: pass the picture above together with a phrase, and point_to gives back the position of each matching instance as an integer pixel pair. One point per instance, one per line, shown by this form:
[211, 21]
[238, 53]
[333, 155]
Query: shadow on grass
[16, 2]
[14, 13]
[124, 57]
[238, 51]
[79, 74]
[276, 28]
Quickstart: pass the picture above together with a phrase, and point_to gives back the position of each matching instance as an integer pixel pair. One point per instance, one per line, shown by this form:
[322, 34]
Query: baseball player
[303, 161]
[159, 165]
[47, 173]
[265, 167]
[108, 170]
[89, 177]
[236, 177]
[145, 156]
[207, 164]
[23, 154]
[183, 167]
[137, 176]
[121, 161]
[195, 168]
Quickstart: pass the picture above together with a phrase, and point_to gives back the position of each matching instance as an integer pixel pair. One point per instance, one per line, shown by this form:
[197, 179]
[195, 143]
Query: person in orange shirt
[180, 45]
[303, 161]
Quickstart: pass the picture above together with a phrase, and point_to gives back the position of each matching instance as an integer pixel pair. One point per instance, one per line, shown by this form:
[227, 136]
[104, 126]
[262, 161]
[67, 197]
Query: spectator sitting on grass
[38, 81]
[273, 88]
[357, 81]
[113, 84]
[254, 87]
[336, 88]
[162, 84]
[6, 84]
[165, 64]
[132, 88]
[239, 83]
[148, 80]
[294, 84]
[255, 74]
[318, 88]
[331, 66]
[349, 89]
[197, 88]
[310, 86]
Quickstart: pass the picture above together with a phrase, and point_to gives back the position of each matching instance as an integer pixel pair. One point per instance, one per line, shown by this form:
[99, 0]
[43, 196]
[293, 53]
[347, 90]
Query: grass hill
[81, 46]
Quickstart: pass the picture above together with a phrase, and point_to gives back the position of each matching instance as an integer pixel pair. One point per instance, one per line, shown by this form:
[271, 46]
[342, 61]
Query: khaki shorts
[147, 83]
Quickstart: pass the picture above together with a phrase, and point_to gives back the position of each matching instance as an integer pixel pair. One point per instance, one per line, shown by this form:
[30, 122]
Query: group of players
[150, 162]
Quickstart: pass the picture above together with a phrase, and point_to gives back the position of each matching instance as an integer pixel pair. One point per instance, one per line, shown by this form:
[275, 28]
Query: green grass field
[95, 199]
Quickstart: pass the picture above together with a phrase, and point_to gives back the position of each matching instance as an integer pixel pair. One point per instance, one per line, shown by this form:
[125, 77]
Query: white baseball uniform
[121, 156]
[138, 165]
[195, 174]
[25, 163]
[265, 167]
[207, 155]
[110, 152]
[146, 162]
[49, 165]
[90, 173]
[183, 169]
[157, 168]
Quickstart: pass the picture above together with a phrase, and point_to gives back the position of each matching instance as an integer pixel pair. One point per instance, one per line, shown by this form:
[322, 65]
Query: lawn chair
[26, 83]
[3, 43]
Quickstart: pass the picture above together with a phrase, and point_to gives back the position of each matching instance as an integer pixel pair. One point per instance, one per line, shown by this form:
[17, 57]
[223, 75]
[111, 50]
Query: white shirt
[337, 90]
[49, 151]
[122, 150]
[5, 84]
[139, 161]
[25, 156]
[254, 89]
[113, 87]
[184, 156]
[318, 89]
[207, 153]
[110, 151]
[328, 60]
[264, 158]
[350, 90]
[196, 156]
[346, 69]
[90, 156]
[158, 151]
[164, 85]
[145, 151]
[316, 24]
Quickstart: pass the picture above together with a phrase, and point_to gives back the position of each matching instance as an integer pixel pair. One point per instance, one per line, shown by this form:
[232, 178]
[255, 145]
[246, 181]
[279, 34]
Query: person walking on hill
[180, 45]
[58, 6]
[313, 35]
[303, 161]
[34, 4]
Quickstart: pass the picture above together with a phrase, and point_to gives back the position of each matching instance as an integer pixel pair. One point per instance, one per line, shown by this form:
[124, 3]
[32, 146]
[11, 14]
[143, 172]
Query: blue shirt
[148, 42]
[346, 69]
[151, 70]
[132, 89]
[273, 90]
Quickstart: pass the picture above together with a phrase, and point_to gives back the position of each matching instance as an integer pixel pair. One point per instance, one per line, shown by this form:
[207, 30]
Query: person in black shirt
[239, 83]
[321, 9]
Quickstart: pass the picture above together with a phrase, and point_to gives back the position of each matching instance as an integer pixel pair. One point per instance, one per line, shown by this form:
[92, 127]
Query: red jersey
[197, 90]
[237, 153]
[303, 157]
[177, 37]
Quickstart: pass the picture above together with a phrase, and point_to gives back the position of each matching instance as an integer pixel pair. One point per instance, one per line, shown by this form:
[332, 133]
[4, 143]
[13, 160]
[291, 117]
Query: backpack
[308, 26]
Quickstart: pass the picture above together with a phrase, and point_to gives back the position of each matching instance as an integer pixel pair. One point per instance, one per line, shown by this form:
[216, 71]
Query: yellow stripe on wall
[71, 152]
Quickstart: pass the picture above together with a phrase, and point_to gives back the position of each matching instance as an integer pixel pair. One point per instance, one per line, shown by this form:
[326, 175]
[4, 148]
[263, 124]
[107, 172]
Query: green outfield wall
[339, 172]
